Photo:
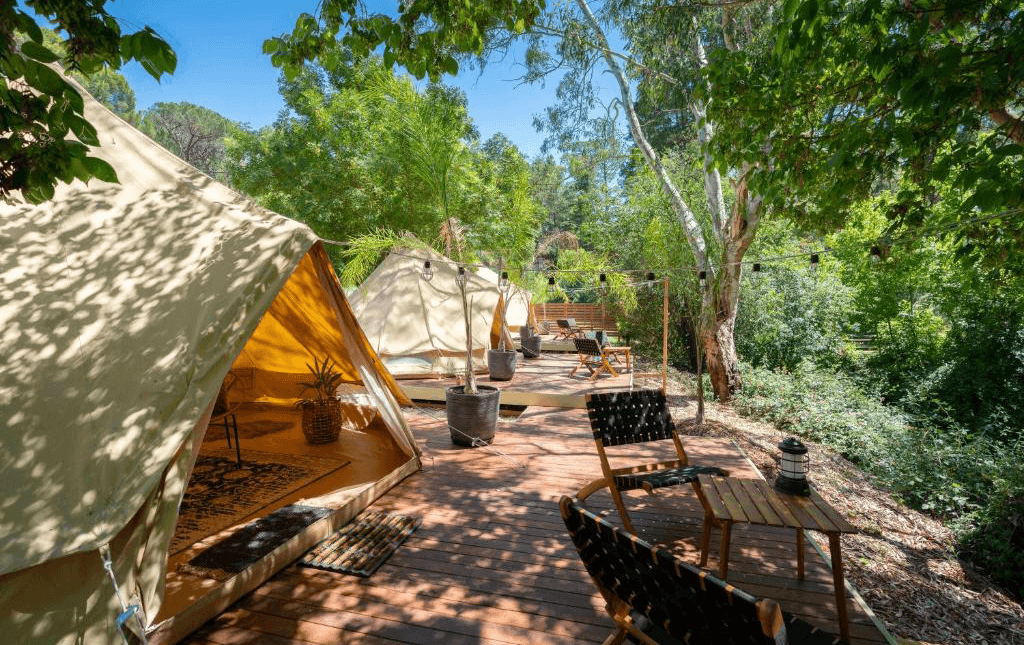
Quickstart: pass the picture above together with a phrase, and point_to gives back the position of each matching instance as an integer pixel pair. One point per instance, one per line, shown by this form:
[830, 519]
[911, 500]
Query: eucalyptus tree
[426, 37]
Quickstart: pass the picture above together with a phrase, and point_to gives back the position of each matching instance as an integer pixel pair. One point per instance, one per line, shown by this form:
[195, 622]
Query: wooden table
[728, 500]
[615, 351]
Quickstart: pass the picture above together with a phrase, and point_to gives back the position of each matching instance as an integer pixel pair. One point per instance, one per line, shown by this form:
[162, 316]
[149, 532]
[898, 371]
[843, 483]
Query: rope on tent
[127, 611]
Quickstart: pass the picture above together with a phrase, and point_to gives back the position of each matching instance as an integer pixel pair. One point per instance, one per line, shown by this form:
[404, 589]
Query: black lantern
[792, 479]
[703, 279]
[650, 276]
[876, 254]
[603, 283]
[757, 267]
[428, 273]
[460, 278]
[503, 282]
[814, 261]
[551, 280]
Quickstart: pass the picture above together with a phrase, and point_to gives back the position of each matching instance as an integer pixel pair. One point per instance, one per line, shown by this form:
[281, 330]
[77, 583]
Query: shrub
[974, 482]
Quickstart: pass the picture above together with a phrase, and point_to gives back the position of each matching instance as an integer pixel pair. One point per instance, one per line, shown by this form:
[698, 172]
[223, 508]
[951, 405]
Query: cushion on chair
[666, 477]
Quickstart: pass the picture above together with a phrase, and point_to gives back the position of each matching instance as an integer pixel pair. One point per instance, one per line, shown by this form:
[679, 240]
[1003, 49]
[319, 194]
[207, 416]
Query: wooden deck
[542, 381]
[491, 563]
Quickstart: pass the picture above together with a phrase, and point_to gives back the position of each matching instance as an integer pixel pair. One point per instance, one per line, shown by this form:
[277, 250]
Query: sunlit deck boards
[491, 563]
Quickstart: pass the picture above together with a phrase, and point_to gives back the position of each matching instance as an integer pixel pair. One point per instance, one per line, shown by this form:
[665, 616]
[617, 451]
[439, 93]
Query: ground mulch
[903, 562]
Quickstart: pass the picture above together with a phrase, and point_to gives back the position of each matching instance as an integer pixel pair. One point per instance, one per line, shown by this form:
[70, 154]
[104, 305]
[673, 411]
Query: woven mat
[220, 494]
[252, 542]
[362, 545]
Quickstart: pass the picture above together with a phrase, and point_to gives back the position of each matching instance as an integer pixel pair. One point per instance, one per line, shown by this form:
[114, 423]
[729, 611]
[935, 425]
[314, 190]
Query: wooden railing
[587, 315]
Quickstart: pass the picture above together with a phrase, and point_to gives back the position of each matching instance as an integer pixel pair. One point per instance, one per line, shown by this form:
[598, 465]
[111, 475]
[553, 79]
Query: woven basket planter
[321, 421]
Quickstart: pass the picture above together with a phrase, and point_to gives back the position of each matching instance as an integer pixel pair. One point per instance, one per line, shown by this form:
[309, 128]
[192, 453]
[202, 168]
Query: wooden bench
[657, 598]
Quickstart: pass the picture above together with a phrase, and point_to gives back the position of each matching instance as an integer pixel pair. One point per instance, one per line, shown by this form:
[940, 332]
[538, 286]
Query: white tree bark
[691, 227]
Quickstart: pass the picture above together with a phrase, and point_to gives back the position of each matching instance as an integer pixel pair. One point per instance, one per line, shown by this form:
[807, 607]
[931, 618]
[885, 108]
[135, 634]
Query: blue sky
[221, 66]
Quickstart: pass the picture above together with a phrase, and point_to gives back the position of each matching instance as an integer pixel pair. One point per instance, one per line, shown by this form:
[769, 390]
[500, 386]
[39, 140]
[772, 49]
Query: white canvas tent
[518, 312]
[122, 308]
[416, 325]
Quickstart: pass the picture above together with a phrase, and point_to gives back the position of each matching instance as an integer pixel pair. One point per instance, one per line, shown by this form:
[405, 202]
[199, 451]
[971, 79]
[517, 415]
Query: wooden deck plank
[491, 564]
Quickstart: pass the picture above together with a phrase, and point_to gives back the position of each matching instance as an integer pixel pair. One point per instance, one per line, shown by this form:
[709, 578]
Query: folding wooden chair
[658, 599]
[592, 357]
[567, 328]
[631, 417]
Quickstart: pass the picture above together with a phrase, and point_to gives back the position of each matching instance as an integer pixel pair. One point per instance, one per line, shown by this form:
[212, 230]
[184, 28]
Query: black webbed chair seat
[656, 598]
[665, 477]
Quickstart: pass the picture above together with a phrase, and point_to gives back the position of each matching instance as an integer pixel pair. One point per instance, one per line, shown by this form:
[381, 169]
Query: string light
[876, 254]
[503, 282]
[650, 276]
[551, 280]
[460, 278]
[603, 281]
[703, 279]
[428, 273]
[814, 262]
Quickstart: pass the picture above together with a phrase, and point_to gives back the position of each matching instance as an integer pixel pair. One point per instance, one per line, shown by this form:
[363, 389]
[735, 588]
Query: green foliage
[972, 481]
[324, 382]
[39, 108]
[360, 150]
[791, 314]
[424, 38]
[195, 133]
[857, 93]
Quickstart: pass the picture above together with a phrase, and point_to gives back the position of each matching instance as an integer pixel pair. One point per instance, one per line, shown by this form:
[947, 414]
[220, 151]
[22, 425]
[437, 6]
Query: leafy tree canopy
[195, 133]
[426, 37]
[39, 108]
[856, 95]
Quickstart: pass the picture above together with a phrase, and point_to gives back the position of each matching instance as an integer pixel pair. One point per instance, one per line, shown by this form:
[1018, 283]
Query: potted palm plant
[471, 409]
[321, 410]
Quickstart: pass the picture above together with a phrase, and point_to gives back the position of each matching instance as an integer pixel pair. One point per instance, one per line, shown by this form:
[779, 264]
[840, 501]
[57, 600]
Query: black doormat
[252, 542]
[362, 545]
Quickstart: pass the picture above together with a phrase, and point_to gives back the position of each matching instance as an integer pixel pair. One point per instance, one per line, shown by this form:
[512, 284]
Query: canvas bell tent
[416, 324]
[124, 309]
[518, 312]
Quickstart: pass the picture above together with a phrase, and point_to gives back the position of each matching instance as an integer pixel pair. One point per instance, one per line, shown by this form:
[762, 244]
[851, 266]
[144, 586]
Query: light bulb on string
[428, 273]
[814, 262]
[503, 282]
[703, 279]
[460, 278]
[603, 283]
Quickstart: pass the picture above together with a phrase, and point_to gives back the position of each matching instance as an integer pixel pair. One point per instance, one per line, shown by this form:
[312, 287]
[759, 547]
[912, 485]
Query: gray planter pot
[501, 364]
[531, 347]
[472, 417]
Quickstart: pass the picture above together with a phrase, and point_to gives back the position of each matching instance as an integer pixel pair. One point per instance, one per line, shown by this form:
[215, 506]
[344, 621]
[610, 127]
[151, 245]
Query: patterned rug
[220, 494]
[363, 544]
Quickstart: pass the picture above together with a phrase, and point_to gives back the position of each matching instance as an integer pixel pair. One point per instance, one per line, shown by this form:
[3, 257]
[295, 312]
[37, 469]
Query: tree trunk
[721, 299]
[720, 350]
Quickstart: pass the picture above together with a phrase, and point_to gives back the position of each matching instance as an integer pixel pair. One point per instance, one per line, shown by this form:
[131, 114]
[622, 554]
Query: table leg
[723, 551]
[800, 553]
[837, 580]
[705, 542]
